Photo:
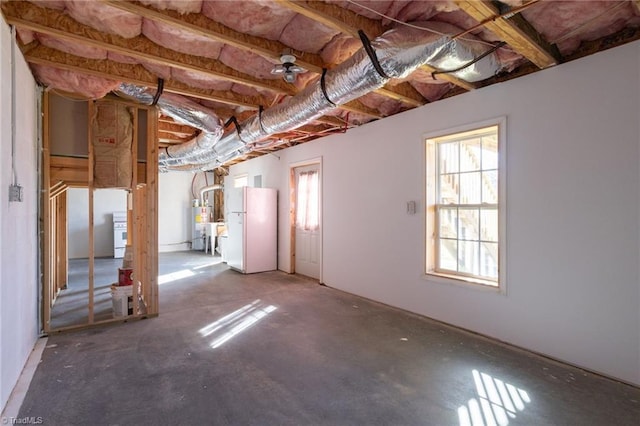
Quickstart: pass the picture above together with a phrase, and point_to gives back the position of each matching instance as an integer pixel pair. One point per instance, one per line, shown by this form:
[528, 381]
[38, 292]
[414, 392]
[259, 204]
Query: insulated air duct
[393, 55]
[183, 111]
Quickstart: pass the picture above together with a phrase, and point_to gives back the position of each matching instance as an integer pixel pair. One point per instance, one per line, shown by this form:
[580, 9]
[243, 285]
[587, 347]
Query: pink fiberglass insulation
[304, 79]
[123, 59]
[423, 76]
[351, 118]
[76, 49]
[340, 49]
[69, 81]
[403, 10]
[378, 6]
[218, 105]
[25, 36]
[247, 62]
[182, 6]
[423, 11]
[461, 20]
[161, 71]
[181, 40]
[316, 36]
[432, 92]
[105, 18]
[558, 21]
[250, 17]
[509, 59]
[241, 89]
[201, 80]
[382, 104]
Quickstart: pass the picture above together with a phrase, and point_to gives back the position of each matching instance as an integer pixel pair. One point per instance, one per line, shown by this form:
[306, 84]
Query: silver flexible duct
[399, 52]
[208, 189]
[183, 111]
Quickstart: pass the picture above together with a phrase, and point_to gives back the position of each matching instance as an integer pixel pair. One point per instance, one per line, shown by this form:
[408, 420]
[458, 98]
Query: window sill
[468, 282]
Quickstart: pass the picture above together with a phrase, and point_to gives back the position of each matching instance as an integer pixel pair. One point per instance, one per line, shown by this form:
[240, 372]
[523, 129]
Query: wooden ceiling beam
[176, 128]
[269, 49]
[514, 30]
[134, 74]
[336, 17]
[349, 22]
[167, 137]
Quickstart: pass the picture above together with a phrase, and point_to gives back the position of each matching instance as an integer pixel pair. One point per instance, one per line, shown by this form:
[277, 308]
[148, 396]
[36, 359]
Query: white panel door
[307, 217]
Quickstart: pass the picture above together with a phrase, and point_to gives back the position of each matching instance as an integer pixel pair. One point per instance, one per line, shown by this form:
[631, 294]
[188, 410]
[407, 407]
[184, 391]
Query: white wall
[105, 202]
[174, 211]
[174, 215]
[572, 212]
[18, 221]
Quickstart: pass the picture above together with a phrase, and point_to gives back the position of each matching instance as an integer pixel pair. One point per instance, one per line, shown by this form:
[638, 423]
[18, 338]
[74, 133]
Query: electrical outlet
[15, 193]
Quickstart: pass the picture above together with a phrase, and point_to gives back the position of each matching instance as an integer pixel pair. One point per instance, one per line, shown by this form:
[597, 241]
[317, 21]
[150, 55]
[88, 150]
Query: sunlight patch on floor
[236, 322]
[496, 402]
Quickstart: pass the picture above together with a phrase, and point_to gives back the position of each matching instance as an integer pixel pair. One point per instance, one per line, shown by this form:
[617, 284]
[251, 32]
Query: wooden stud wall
[59, 173]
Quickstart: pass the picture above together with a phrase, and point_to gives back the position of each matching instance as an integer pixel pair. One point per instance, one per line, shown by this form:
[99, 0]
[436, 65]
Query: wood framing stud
[515, 31]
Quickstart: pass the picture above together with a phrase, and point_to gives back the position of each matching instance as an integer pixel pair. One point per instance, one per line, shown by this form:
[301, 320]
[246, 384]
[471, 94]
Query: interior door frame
[292, 212]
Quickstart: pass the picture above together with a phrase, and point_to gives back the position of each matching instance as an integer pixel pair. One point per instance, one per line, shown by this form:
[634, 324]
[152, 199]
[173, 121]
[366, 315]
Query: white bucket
[122, 299]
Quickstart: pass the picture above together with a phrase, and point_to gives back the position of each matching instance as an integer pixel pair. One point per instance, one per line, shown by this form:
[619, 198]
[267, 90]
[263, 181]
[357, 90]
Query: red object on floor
[125, 276]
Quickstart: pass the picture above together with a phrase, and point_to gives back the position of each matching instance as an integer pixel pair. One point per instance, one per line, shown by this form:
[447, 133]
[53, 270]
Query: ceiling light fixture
[287, 68]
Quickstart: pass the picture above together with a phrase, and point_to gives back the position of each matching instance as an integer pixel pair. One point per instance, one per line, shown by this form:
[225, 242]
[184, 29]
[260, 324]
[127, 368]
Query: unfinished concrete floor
[277, 349]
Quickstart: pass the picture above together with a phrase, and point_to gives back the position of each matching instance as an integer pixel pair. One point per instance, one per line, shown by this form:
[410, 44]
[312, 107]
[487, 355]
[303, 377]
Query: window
[240, 181]
[465, 205]
[307, 198]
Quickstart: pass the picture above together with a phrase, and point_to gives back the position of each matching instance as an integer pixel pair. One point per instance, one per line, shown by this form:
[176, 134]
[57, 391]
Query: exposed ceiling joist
[514, 30]
[335, 17]
[269, 49]
[176, 129]
[134, 74]
[349, 22]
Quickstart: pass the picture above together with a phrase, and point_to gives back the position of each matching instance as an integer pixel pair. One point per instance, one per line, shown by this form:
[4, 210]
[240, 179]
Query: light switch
[411, 207]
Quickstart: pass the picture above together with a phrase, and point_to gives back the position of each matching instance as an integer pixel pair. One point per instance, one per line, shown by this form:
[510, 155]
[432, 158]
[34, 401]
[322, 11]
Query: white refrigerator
[252, 228]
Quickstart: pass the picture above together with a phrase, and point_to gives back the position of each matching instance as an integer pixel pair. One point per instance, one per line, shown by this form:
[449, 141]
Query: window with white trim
[464, 205]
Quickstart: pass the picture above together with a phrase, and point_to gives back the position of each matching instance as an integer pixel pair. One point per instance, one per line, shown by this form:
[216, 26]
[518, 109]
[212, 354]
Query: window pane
[448, 155]
[448, 223]
[470, 188]
[489, 260]
[449, 187]
[490, 152]
[490, 187]
[468, 224]
[448, 255]
[489, 225]
[470, 154]
[468, 257]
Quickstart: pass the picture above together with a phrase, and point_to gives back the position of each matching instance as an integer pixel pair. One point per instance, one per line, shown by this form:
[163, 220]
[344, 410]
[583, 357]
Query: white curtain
[307, 199]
